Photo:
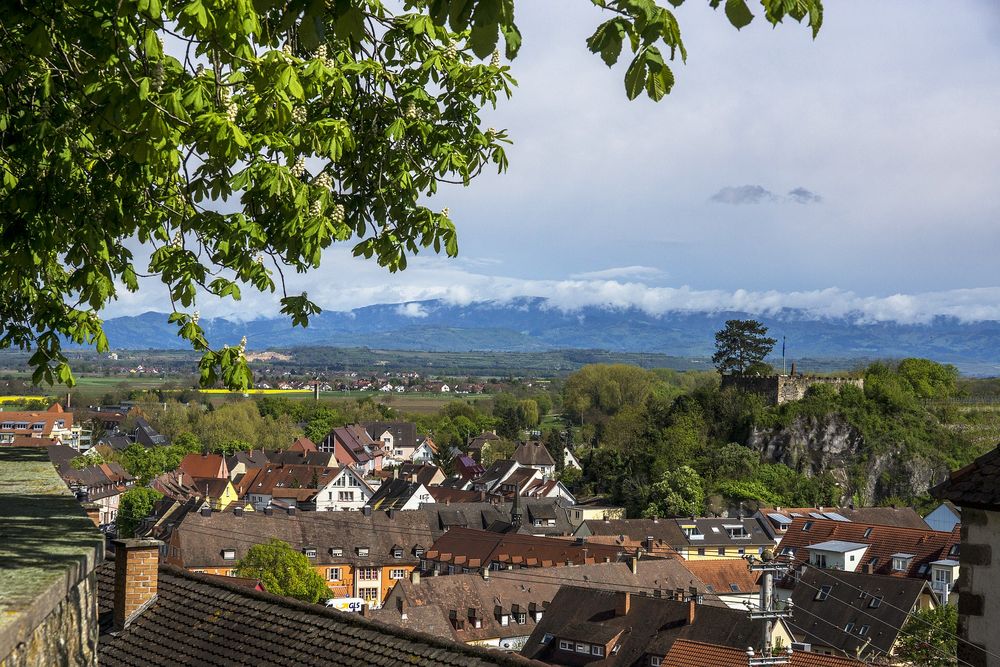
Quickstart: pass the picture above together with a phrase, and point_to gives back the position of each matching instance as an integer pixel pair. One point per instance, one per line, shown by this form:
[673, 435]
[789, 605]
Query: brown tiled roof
[464, 547]
[976, 485]
[287, 480]
[419, 472]
[529, 590]
[663, 531]
[533, 453]
[826, 621]
[205, 465]
[883, 541]
[200, 620]
[354, 440]
[652, 624]
[658, 550]
[687, 653]
[46, 417]
[723, 573]
[404, 434]
[446, 494]
[303, 444]
[903, 517]
[200, 539]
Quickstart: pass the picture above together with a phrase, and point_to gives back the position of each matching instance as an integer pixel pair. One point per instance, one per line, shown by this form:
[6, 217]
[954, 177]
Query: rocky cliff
[815, 445]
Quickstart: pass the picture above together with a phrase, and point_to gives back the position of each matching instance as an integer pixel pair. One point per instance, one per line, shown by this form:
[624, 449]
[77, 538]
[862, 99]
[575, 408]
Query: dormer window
[397, 552]
[363, 552]
[310, 552]
[336, 552]
[953, 552]
[229, 554]
[901, 562]
[419, 552]
[474, 618]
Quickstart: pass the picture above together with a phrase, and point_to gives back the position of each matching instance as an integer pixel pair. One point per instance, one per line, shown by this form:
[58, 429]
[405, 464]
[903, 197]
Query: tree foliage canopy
[235, 141]
[741, 346]
[929, 637]
[283, 571]
[135, 505]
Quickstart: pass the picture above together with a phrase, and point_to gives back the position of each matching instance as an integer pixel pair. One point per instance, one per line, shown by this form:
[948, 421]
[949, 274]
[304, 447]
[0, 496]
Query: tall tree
[741, 345]
[929, 637]
[135, 505]
[237, 140]
[283, 571]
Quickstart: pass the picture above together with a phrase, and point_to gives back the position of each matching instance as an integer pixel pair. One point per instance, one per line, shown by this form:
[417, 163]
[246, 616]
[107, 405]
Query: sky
[853, 173]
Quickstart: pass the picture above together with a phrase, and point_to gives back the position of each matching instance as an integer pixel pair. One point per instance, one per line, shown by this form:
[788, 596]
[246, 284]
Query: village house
[729, 580]
[976, 490]
[534, 454]
[399, 494]
[687, 653]
[693, 538]
[358, 554]
[875, 549]
[776, 520]
[318, 488]
[205, 466]
[101, 484]
[468, 550]
[944, 517]
[354, 447]
[501, 608]
[854, 614]
[622, 628]
[54, 424]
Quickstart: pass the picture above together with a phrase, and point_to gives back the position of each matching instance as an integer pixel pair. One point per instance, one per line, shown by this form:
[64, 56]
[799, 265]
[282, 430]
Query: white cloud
[411, 310]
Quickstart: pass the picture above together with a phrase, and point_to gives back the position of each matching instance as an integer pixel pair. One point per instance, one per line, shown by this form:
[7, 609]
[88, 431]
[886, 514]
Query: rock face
[817, 445]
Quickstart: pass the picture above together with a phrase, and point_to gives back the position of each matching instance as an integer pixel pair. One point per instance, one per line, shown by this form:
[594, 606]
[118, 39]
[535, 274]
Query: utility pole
[767, 567]
[782, 355]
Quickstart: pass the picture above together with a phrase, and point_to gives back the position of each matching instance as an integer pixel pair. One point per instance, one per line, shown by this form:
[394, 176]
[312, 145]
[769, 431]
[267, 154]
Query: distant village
[502, 559]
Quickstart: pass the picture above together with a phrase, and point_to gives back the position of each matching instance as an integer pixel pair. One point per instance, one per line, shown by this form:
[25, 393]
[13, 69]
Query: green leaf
[607, 40]
[485, 27]
[459, 14]
[738, 13]
[635, 76]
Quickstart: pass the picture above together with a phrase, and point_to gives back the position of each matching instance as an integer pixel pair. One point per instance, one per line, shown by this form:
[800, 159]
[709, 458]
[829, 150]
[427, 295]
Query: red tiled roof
[205, 465]
[303, 444]
[47, 417]
[686, 653]
[720, 573]
[884, 541]
[466, 546]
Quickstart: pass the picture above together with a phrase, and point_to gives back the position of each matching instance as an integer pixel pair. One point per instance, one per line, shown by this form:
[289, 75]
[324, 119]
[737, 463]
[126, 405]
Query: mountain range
[531, 324]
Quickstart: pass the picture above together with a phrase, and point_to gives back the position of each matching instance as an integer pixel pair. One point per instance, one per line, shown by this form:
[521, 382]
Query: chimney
[268, 511]
[136, 564]
[692, 603]
[237, 511]
[415, 577]
[206, 511]
[486, 573]
[93, 512]
[391, 513]
[623, 600]
[291, 511]
[367, 510]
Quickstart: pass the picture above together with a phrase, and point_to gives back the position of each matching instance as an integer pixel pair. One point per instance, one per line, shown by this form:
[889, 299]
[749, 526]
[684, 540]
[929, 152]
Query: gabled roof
[903, 517]
[394, 494]
[477, 442]
[663, 531]
[976, 485]
[425, 473]
[927, 545]
[292, 457]
[483, 515]
[846, 606]
[653, 624]
[355, 443]
[196, 619]
[146, 435]
[687, 653]
[205, 465]
[533, 453]
[275, 480]
[302, 444]
[465, 547]
[404, 434]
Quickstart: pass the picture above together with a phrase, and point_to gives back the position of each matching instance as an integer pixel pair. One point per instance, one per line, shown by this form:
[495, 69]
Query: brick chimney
[136, 565]
[93, 511]
[623, 601]
[692, 603]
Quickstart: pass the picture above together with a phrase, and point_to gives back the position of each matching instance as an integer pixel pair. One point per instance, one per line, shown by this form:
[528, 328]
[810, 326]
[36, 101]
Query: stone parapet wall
[48, 551]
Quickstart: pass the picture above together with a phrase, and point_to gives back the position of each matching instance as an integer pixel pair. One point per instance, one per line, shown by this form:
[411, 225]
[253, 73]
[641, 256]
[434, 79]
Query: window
[734, 588]
[849, 627]
[787, 551]
[336, 552]
[345, 496]
[229, 554]
[899, 564]
[942, 576]
[397, 553]
[505, 620]
[397, 573]
[520, 618]
[655, 661]
[722, 551]
[701, 551]
[546, 638]
[824, 592]
[368, 594]
[419, 552]
[368, 573]
[597, 650]
[741, 551]
[565, 645]
[309, 552]
[863, 630]
[868, 533]
[807, 525]
[954, 550]
[363, 552]
[876, 602]
[582, 648]
[333, 574]
[819, 560]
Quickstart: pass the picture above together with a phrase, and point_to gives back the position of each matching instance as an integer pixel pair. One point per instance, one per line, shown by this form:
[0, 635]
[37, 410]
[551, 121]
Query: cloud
[800, 195]
[636, 271]
[743, 194]
[411, 310]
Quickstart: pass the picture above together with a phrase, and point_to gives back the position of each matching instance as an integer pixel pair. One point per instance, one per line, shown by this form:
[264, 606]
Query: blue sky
[854, 172]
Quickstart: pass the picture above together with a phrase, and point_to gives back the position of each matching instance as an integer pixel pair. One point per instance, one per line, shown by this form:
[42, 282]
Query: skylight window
[868, 533]
[807, 525]
[863, 630]
[824, 592]
[876, 602]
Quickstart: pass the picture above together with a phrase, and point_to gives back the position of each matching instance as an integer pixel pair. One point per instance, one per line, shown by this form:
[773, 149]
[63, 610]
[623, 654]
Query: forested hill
[532, 324]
